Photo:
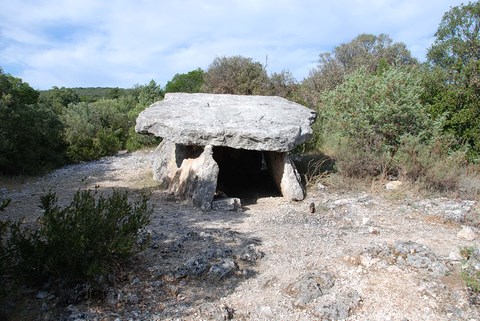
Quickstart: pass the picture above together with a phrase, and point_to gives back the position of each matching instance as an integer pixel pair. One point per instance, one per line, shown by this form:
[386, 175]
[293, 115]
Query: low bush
[362, 121]
[87, 238]
[431, 162]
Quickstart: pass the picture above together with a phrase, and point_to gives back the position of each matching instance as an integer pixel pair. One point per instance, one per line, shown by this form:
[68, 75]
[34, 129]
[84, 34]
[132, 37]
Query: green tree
[59, 98]
[190, 82]
[283, 84]
[456, 52]
[374, 53]
[30, 132]
[362, 121]
[93, 130]
[236, 75]
[144, 96]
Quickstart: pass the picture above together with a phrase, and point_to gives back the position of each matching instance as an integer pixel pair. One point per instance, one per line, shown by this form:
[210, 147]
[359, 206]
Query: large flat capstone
[263, 123]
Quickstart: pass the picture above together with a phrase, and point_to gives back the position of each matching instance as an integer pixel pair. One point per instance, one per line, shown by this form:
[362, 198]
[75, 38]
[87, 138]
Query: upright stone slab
[193, 125]
[187, 171]
[285, 175]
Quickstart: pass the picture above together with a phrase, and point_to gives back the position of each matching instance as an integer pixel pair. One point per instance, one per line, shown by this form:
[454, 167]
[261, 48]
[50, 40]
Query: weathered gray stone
[409, 253]
[226, 204]
[309, 287]
[187, 171]
[261, 123]
[467, 233]
[393, 185]
[285, 175]
[337, 306]
[222, 269]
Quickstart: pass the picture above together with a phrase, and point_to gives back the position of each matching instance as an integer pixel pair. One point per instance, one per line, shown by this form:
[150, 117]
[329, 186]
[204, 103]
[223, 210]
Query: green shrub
[362, 121]
[93, 130]
[30, 133]
[137, 141]
[89, 237]
[469, 274]
[431, 162]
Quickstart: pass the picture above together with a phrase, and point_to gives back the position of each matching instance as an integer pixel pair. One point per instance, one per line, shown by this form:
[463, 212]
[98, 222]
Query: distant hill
[96, 93]
[91, 94]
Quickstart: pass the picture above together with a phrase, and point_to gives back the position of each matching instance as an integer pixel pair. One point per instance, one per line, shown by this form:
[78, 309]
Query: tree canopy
[374, 53]
[236, 75]
[455, 62]
[190, 82]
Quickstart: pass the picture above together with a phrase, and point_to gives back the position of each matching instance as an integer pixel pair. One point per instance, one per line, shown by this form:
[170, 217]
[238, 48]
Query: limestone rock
[285, 175]
[393, 185]
[467, 233]
[187, 171]
[337, 306]
[261, 123]
[226, 204]
[309, 287]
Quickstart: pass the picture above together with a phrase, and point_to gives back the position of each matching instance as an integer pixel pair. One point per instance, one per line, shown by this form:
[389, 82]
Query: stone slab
[264, 123]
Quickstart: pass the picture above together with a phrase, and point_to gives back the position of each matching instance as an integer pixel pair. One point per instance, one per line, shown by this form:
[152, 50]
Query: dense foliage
[190, 82]
[371, 52]
[363, 120]
[30, 132]
[236, 75]
[455, 61]
[87, 238]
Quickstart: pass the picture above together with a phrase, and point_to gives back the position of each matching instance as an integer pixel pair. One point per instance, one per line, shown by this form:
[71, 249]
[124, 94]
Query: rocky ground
[378, 255]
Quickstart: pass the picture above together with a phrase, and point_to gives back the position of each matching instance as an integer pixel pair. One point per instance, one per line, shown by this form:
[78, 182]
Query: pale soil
[293, 242]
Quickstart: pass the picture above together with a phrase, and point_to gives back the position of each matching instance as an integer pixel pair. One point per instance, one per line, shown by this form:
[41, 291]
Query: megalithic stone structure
[205, 133]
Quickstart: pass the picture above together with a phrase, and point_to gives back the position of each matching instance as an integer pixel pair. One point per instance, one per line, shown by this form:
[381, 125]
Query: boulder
[187, 171]
[264, 123]
[285, 175]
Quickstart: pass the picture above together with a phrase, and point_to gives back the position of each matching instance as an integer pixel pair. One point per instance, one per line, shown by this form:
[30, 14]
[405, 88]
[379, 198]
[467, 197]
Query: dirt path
[360, 256]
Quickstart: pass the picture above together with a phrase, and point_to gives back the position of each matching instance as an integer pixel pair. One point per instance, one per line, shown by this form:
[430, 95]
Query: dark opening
[243, 174]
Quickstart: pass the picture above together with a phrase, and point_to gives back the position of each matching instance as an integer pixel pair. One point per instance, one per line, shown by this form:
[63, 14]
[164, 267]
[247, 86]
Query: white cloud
[121, 43]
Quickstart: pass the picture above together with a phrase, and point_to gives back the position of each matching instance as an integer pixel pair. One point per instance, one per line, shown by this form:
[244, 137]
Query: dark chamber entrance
[243, 174]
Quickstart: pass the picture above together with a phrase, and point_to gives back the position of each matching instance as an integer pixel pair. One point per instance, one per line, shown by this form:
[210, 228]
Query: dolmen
[212, 140]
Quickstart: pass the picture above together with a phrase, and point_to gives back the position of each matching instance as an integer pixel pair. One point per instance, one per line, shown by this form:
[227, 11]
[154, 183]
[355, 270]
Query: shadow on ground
[193, 259]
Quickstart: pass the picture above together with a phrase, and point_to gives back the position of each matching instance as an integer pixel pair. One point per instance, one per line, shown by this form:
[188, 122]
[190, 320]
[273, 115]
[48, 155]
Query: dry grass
[15, 182]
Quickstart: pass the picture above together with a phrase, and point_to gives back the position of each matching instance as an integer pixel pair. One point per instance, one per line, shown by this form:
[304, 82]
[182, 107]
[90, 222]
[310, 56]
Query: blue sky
[120, 43]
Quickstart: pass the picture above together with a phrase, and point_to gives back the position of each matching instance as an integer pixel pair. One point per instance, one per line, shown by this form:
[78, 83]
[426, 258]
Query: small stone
[321, 187]
[135, 280]
[467, 233]
[42, 295]
[393, 185]
[133, 299]
[454, 256]
[226, 204]
[223, 269]
[312, 207]
[366, 221]
[251, 254]
[337, 306]
[373, 230]
[266, 311]
[309, 287]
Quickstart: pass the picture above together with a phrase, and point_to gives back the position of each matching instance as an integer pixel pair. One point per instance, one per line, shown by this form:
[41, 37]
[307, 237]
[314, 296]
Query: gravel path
[360, 256]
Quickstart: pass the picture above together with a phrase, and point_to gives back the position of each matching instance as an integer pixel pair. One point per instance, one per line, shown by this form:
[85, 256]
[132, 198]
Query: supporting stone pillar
[187, 171]
[285, 175]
